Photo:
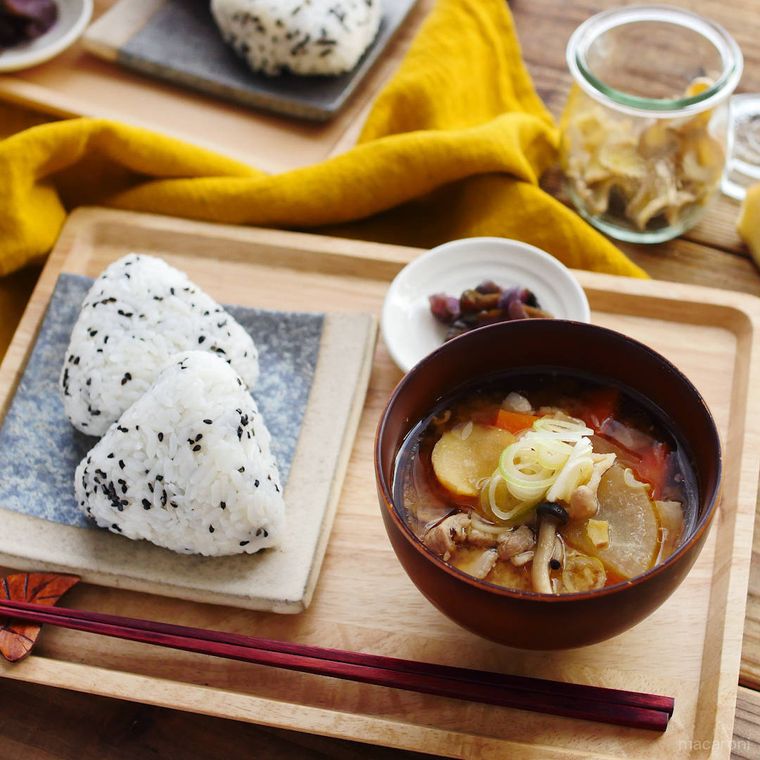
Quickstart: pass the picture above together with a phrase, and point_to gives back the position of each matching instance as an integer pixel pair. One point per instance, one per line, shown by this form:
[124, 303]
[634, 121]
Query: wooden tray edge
[746, 310]
[267, 712]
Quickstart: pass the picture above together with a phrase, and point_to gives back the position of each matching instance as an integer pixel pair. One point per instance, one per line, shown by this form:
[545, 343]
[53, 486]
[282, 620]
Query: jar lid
[641, 59]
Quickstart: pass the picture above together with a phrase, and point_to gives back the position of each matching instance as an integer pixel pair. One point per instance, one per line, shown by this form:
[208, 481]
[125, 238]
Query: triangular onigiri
[137, 314]
[188, 466]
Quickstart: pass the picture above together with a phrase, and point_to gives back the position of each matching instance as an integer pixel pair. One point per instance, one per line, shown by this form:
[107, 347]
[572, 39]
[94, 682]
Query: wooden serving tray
[162, 39]
[77, 83]
[690, 648]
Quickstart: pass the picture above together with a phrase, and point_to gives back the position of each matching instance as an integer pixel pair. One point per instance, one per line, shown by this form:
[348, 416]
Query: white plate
[73, 17]
[409, 329]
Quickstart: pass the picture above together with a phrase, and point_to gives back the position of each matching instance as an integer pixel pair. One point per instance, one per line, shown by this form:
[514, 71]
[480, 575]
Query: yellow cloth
[453, 147]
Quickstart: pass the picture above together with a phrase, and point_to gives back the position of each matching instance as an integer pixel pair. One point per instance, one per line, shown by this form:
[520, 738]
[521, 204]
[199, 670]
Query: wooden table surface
[40, 722]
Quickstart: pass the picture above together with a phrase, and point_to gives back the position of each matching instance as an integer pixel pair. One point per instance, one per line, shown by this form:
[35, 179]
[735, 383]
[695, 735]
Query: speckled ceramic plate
[308, 361]
[178, 41]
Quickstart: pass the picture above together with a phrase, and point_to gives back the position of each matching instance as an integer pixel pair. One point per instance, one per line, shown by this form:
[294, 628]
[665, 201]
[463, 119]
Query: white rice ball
[301, 36]
[188, 466]
[137, 314]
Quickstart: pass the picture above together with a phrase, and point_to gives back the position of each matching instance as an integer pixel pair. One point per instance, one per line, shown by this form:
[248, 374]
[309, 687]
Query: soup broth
[546, 483]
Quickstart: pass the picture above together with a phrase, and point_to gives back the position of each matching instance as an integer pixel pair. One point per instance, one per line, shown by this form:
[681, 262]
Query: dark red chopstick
[571, 700]
[515, 683]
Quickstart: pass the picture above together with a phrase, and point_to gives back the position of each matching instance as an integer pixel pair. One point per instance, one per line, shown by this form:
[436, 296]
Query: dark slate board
[40, 450]
[181, 44]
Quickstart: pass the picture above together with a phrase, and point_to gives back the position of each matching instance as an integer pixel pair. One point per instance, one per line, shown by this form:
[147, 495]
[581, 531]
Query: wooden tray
[689, 648]
[162, 39]
[77, 83]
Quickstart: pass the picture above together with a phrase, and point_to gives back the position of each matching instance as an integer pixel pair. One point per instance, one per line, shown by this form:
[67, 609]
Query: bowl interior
[559, 346]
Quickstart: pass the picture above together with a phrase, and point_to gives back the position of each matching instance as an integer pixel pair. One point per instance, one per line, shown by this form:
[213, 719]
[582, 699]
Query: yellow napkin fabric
[453, 147]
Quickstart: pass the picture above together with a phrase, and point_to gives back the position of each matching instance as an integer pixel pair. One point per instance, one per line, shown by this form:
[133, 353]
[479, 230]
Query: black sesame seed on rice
[197, 447]
[210, 528]
[160, 436]
[223, 504]
[209, 422]
[244, 543]
[146, 504]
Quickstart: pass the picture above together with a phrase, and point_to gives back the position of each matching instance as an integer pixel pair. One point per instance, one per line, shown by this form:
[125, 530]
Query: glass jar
[644, 128]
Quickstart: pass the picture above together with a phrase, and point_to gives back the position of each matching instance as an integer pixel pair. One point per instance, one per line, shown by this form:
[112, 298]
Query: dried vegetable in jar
[648, 173]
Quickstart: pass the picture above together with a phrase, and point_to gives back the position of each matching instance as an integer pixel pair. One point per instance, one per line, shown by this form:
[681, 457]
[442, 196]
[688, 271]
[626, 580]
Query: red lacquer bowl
[522, 618]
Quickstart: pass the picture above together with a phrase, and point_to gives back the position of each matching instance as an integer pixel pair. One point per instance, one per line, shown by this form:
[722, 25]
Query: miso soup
[546, 483]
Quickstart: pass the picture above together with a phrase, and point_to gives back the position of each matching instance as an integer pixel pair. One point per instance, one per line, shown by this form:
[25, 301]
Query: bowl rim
[702, 525]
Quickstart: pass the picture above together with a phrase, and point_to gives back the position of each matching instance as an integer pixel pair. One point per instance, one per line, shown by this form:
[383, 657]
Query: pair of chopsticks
[623, 708]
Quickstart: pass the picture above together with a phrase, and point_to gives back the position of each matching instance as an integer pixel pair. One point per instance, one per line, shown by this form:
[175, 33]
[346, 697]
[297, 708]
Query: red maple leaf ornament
[16, 637]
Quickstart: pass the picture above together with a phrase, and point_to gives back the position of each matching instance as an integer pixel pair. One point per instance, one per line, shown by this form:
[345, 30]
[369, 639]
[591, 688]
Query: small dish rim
[531, 252]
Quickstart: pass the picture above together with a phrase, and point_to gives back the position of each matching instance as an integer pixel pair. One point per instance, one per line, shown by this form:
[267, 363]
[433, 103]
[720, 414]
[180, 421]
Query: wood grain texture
[746, 741]
[363, 593]
[65, 730]
[127, 19]
[41, 723]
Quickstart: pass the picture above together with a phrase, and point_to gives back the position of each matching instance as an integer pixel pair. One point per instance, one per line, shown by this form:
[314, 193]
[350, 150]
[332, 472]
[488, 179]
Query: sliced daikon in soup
[633, 526]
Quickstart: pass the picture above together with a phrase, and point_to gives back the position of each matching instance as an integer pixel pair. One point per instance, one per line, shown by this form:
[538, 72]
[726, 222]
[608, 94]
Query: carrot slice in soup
[514, 422]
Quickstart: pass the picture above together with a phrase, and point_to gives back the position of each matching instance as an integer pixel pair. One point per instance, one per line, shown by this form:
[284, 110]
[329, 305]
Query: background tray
[178, 40]
[689, 648]
[77, 83]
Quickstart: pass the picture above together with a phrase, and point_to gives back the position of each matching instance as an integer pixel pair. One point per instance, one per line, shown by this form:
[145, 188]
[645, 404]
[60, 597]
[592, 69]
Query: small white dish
[73, 17]
[409, 329]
